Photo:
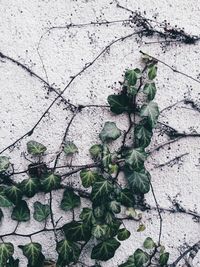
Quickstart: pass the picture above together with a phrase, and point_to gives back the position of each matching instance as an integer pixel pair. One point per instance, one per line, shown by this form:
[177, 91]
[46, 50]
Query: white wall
[64, 52]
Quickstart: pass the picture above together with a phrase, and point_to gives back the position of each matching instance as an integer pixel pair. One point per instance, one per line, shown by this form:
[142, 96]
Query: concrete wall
[64, 52]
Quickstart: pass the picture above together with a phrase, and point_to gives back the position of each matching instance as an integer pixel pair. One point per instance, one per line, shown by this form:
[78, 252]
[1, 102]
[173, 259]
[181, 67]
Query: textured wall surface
[57, 55]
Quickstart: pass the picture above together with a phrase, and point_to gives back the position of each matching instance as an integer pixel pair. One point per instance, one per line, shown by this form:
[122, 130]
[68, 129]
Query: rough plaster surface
[64, 52]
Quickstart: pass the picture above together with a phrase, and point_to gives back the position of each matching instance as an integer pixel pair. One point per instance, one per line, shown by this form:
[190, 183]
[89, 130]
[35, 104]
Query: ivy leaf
[123, 234]
[14, 194]
[135, 158]
[150, 111]
[87, 216]
[99, 230]
[140, 257]
[164, 257]
[106, 160]
[96, 151]
[70, 200]
[99, 212]
[114, 206]
[77, 231]
[41, 212]
[152, 72]
[36, 149]
[4, 201]
[88, 177]
[68, 252]
[126, 197]
[141, 228]
[33, 252]
[143, 135]
[50, 182]
[150, 90]
[113, 227]
[132, 90]
[70, 148]
[101, 189]
[12, 262]
[21, 212]
[1, 215]
[4, 163]
[149, 243]
[131, 76]
[129, 263]
[30, 186]
[105, 250]
[139, 181]
[119, 103]
[6, 251]
[109, 132]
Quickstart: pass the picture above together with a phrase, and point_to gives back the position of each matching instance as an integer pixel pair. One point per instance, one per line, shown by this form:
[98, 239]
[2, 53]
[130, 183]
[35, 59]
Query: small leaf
[14, 194]
[30, 186]
[123, 234]
[41, 212]
[106, 160]
[6, 251]
[87, 216]
[70, 148]
[88, 177]
[150, 111]
[119, 103]
[140, 257]
[33, 252]
[149, 243]
[109, 132]
[4, 201]
[50, 182]
[96, 151]
[12, 262]
[21, 212]
[70, 200]
[139, 181]
[36, 149]
[152, 72]
[4, 163]
[114, 206]
[126, 197]
[143, 135]
[105, 250]
[100, 190]
[150, 90]
[1, 215]
[132, 90]
[131, 76]
[164, 258]
[99, 230]
[68, 252]
[141, 228]
[77, 231]
[129, 263]
[135, 158]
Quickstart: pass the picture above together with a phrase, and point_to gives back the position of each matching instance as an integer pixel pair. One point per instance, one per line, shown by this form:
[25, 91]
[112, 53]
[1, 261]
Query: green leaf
[123, 234]
[141, 228]
[135, 158]
[99, 230]
[14, 194]
[1, 215]
[87, 216]
[149, 243]
[152, 72]
[140, 257]
[114, 206]
[88, 177]
[129, 263]
[131, 76]
[99, 212]
[105, 250]
[132, 90]
[12, 262]
[109, 132]
[150, 111]
[77, 231]
[70, 148]
[96, 151]
[6, 251]
[100, 190]
[68, 252]
[36, 149]
[164, 258]
[30, 186]
[139, 181]
[119, 103]
[4, 201]
[113, 228]
[70, 200]
[143, 135]
[126, 197]
[41, 212]
[33, 252]
[150, 90]
[21, 212]
[50, 182]
[4, 163]
[106, 160]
